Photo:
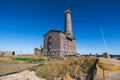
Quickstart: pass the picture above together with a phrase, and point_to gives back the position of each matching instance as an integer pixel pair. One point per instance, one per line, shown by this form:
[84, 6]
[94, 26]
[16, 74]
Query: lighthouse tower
[68, 23]
[58, 43]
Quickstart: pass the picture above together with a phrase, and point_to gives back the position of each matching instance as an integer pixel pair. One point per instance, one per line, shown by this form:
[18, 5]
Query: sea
[112, 56]
[118, 56]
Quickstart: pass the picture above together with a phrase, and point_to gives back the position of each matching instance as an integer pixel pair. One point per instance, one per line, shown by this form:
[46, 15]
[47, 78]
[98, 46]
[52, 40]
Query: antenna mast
[103, 39]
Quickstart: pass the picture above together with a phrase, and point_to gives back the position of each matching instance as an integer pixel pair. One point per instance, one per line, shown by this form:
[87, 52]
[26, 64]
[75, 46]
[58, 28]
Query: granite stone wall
[56, 44]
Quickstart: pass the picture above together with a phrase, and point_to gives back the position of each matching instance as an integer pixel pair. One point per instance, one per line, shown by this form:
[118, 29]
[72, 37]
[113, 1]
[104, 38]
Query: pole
[103, 75]
[103, 39]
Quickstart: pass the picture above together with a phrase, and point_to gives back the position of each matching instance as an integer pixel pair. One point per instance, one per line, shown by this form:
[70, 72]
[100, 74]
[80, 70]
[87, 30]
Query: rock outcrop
[24, 75]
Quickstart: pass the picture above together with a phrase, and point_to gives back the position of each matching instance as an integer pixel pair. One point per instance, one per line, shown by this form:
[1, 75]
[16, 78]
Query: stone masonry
[58, 43]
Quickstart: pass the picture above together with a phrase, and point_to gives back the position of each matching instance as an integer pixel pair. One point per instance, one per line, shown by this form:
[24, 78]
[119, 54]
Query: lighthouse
[68, 23]
[58, 43]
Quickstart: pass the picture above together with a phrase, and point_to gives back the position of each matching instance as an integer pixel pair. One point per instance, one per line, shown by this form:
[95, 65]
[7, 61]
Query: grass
[59, 69]
[109, 67]
[54, 67]
[21, 59]
[11, 64]
[10, 60]
[30, 60]
[109, 64]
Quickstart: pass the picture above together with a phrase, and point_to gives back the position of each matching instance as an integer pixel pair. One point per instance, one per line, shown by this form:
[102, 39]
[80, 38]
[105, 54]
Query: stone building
[38, 51]
[7, 53]
[58, 43]
[106, 55]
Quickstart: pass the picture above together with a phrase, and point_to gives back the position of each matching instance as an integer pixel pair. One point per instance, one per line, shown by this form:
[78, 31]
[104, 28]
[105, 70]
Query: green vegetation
[59, 69]
[50, 68]
[22, 59]
[10, 60]
[30, 60]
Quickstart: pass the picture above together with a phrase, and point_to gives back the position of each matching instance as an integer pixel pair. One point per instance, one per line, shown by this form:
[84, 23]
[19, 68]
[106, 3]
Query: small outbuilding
[7, 53]
[106, 55]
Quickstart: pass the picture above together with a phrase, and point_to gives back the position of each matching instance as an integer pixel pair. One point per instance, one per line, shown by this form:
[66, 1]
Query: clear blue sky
[24, 22]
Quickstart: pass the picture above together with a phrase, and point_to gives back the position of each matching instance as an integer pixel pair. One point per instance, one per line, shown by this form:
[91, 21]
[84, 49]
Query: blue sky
[24, 22]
